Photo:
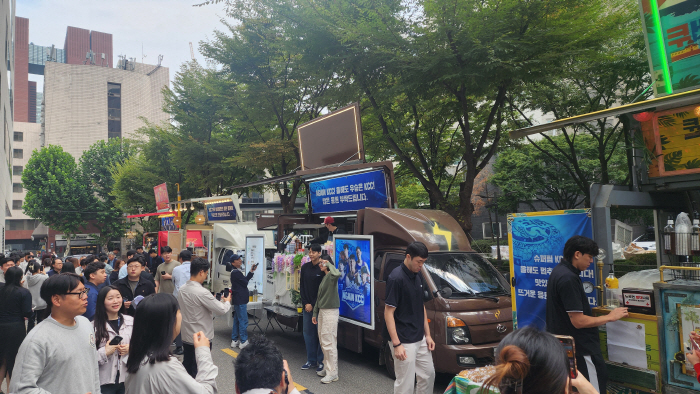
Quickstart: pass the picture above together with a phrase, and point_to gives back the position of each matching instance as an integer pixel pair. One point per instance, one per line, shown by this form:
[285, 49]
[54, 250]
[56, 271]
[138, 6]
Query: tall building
[84, 100]
[7, 13]
[83, 105]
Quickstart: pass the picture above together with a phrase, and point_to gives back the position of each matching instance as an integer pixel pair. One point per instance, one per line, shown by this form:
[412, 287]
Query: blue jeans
[240, 323]
[314, 353]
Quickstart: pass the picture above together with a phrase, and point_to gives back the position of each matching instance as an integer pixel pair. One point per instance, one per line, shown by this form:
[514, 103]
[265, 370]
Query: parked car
[646, 241]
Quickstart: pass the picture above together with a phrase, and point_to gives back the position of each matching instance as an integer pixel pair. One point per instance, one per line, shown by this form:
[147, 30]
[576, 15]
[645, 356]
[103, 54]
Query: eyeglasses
[133, 266]
[80, 294]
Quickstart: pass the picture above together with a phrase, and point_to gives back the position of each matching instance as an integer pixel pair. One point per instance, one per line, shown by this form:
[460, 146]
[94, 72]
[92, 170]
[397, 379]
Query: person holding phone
[326, 315]
[198, 308]
[113, 331]
[530, 361]
[239, 299]
[151, 368]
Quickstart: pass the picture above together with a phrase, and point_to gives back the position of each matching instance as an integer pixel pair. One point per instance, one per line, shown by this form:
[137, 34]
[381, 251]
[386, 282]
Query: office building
[7, 13]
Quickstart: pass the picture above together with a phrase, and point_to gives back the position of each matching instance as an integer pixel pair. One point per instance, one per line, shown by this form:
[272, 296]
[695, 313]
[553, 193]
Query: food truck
[467, 300]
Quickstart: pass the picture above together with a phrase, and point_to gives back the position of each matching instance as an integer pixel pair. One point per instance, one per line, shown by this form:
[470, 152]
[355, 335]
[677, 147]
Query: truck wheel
[389, 360]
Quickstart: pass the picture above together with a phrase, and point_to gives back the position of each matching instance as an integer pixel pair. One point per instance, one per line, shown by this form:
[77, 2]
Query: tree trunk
[68, 237]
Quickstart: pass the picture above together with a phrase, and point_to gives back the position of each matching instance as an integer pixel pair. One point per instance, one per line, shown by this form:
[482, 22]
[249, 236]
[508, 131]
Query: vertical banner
[354, 258]
[536, 243]
[255, 254]
[161, 192]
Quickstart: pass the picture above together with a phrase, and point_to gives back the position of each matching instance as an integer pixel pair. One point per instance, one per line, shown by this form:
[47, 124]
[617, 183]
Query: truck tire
[389, 360]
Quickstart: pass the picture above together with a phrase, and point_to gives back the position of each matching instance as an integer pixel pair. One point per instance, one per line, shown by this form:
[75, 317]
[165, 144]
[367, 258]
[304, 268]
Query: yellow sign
[497, 314]
[445, 233]
[677, 135]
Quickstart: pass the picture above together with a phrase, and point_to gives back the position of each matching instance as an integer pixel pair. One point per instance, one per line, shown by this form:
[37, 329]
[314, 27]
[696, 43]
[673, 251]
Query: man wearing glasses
[134, 284]
[569, 312]
[65, 341]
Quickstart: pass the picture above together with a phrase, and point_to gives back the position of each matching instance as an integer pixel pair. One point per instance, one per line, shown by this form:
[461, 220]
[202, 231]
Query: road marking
[234, 355]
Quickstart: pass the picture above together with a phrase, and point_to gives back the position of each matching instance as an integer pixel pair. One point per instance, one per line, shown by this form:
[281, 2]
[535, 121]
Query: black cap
[235, 257]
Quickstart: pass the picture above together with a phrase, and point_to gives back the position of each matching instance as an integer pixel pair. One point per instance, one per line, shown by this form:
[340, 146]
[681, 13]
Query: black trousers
[600, 369]
[189, 361]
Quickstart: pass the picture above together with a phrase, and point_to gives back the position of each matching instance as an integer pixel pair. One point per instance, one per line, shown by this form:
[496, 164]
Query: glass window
[466, 274]
[114, 110]
[19, 136]
[17, 153]
[114, 89]
[16, 188]
[253, 198]
[16, 204]
[17, 170]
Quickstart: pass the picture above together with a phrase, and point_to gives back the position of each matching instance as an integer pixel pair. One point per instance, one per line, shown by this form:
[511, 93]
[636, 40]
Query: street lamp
[130, 235]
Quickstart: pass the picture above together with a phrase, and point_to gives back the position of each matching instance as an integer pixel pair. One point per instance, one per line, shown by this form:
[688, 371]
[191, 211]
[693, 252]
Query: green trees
[56, 192]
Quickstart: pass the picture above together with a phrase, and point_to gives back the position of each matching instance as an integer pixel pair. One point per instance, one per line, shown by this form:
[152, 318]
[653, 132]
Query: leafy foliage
[672, 160]
[57, 194]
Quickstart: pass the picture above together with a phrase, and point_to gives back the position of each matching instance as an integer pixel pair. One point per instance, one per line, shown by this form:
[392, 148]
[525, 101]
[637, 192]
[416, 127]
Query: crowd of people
[115, 320]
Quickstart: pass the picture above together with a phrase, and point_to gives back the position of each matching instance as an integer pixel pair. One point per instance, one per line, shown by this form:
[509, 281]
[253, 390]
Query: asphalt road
[359, 373]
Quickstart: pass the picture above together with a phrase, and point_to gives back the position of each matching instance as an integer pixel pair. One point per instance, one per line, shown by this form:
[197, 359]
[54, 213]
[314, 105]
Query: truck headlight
[457, 331]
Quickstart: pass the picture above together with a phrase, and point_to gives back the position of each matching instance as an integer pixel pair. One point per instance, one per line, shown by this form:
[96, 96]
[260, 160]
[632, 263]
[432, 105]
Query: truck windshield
[466, 274]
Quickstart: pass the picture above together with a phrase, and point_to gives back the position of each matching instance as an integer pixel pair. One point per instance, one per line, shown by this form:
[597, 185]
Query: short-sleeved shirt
[404, 291]
[565, 294]
[166, 286]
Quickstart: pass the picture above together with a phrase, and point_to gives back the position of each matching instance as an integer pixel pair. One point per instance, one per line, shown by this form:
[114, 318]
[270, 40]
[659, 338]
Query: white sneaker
[321, 373]
[329, 379]
[234, 344]
[243, 345]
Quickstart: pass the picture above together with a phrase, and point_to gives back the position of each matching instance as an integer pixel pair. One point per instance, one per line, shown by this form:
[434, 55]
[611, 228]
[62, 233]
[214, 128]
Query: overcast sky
[163, 27]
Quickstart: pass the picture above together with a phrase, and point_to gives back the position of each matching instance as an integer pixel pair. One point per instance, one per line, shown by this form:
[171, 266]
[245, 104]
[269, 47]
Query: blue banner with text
[349, 193]
[537, 245]
[221, 211]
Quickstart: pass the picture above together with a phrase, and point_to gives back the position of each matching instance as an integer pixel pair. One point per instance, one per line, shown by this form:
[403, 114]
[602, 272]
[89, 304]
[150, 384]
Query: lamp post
[494, 205]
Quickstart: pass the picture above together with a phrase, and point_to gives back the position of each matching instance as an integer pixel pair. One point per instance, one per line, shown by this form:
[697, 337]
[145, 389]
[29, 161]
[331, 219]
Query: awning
[41, 231]
[194, 239]
[666, 102]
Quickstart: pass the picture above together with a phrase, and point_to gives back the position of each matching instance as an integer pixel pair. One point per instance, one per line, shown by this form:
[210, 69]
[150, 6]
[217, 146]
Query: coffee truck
[468, 302]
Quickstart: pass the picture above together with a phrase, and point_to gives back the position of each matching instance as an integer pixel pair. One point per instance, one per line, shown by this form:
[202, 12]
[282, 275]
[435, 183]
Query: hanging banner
[349, 193]
[221, 211]
[167, 224]
[255, 254]
[536, 242]
[354, 259]
[161, 192]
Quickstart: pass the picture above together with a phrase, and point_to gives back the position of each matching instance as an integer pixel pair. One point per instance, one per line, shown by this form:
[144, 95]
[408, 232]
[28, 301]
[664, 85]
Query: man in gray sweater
[64, 341]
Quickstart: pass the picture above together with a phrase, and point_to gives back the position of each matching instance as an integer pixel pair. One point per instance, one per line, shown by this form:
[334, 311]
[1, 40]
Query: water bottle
[612, 291]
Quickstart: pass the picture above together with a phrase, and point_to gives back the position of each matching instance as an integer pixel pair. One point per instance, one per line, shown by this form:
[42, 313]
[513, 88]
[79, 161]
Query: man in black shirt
[407, 324]
[134, 284]
[309, 282]
[569, 313]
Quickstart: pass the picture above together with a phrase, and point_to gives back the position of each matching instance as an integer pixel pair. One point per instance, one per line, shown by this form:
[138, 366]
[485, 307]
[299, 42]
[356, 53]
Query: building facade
[83, 105]
[7, 15]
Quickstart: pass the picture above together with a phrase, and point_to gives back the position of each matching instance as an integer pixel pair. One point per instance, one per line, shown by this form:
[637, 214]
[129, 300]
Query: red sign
[162, 198]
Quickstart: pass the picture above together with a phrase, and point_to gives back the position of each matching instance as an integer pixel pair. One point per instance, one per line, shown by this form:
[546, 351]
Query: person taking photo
[110, 322]
[326, 314]
[240, 298]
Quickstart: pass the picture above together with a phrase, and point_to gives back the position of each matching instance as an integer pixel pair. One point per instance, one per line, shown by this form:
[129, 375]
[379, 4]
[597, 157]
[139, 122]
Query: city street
[359, 373]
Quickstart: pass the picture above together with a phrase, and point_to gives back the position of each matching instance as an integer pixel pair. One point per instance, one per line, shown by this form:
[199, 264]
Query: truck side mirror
[446, 292]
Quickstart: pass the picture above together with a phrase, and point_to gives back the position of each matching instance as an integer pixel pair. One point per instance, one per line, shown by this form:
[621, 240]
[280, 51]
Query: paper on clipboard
[626, 343]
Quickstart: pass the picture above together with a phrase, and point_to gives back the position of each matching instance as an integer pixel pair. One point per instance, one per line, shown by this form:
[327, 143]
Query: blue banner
[349, 193]
[353, 258]
[221, 211]
[167, 224]
[537, 245]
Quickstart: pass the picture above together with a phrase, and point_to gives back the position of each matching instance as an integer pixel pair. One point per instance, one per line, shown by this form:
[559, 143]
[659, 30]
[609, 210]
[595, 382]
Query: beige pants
[328, 337]
[418, 365]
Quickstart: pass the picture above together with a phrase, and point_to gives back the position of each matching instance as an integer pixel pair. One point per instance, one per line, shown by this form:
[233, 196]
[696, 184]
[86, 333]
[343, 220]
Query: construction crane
[191, 51]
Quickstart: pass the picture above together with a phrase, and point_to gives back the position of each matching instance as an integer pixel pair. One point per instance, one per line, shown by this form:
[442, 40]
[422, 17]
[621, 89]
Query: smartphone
[255, 265]
[218, 296]
[115, 341]
[162, 272]
[570, 348]
[226, 292]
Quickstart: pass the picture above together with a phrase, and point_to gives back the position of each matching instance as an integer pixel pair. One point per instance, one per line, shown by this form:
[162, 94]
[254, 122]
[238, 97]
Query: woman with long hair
[110, 322]
[530, 361]
[114, 276]
[35, 276]
[151, 368]
[15, 305]
[68, 266]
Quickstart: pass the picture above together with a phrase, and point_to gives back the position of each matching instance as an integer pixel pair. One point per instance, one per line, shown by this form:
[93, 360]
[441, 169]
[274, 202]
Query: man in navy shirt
[407, 327]
[95, 275]
[569, 313]
[239, 299]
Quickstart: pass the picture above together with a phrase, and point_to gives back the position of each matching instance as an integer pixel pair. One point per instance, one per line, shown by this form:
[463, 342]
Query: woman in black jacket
[15, 305]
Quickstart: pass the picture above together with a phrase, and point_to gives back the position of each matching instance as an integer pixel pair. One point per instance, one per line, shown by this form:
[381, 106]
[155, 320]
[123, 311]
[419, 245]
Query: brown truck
[468, 301]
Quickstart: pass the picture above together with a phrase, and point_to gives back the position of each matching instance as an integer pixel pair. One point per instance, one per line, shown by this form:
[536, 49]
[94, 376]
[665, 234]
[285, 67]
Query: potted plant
[296, 300]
